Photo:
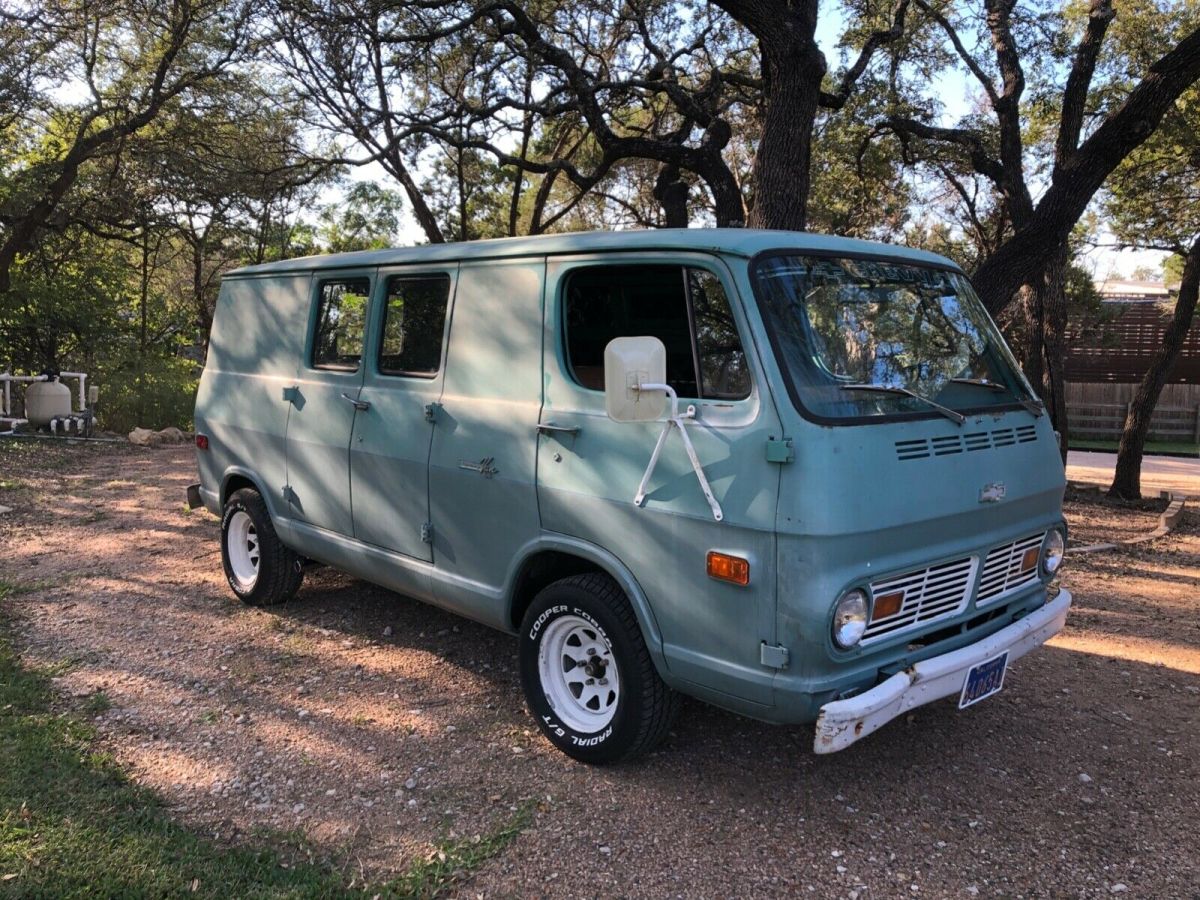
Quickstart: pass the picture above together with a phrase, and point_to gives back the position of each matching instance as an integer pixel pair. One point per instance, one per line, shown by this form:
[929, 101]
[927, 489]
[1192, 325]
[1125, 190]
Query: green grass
[1163, 448]
[9, 588]
[72, 824]
[96, 703]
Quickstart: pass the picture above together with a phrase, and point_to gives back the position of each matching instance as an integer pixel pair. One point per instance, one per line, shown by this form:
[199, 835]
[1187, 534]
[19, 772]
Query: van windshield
[868, 338]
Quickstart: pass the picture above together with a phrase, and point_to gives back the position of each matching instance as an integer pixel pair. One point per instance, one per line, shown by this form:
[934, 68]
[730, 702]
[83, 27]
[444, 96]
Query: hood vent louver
[921, 448]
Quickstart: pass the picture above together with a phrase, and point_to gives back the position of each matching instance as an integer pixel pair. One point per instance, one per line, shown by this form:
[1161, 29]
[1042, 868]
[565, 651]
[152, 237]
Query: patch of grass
[451, 862]
[73, 825]
[96, 703]
[1161, 448]
[10, 588]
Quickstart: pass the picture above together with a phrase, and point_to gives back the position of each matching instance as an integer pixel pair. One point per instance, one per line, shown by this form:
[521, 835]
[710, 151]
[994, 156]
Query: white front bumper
[843, 722]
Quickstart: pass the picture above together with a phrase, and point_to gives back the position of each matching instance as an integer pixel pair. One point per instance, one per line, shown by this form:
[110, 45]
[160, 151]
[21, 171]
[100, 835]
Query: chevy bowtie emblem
[992, 493]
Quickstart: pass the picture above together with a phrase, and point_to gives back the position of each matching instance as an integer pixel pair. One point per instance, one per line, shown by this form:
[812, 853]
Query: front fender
[607, 562]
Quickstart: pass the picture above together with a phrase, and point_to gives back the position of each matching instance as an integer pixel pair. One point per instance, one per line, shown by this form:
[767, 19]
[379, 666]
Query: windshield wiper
[956, 417]
[1033, 407]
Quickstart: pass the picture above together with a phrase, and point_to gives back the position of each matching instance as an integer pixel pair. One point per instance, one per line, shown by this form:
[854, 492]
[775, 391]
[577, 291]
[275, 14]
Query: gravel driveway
[363, 726]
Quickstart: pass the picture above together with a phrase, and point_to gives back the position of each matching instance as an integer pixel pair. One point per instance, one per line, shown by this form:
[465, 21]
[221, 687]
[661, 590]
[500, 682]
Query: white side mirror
[628, 363]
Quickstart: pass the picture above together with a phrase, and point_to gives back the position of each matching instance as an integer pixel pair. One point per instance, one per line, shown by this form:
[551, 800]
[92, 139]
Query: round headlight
[1052, 551]
[850, 619]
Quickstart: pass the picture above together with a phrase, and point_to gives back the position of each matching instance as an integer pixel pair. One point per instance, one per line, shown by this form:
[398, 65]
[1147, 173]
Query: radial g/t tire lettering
[587, 675]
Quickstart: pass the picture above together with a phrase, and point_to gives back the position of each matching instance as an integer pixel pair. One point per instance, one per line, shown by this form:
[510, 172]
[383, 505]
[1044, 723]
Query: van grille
[1002, 573]
[947, 445]
[931, 593]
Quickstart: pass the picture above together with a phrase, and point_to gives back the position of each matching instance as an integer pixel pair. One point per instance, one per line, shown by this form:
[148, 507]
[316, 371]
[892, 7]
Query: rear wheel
[259, 568]
[587, 674]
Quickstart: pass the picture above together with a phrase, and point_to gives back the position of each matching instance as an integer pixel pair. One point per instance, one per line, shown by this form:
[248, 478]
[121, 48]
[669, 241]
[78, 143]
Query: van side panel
[320, 423]
[483, 500]
[712, 632]
[256, 342]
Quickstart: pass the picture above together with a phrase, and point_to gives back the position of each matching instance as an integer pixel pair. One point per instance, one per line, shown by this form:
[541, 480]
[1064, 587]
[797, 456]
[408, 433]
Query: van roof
[745, 242]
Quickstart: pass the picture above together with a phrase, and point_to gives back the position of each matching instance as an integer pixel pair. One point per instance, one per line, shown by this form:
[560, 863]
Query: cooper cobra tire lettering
[587, 620]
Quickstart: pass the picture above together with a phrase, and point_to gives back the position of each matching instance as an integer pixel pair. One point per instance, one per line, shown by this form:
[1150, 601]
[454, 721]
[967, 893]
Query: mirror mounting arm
[676, 420]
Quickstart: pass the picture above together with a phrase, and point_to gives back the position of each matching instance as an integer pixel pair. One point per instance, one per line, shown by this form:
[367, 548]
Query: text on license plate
[983, 680]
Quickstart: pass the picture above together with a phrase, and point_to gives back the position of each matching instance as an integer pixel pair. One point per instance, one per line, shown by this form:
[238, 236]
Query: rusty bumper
[843, 722]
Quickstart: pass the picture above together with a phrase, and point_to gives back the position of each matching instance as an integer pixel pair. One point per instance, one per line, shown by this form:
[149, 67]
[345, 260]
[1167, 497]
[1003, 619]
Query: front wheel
[587, 674]
[259, 568]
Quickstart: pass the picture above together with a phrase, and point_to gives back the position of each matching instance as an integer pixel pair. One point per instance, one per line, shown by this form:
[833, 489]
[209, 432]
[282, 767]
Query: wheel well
[541, 570]
[236, 483]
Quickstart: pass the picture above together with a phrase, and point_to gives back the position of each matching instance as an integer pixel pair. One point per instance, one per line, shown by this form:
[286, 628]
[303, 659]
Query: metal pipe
[82, 386]
[8, 378]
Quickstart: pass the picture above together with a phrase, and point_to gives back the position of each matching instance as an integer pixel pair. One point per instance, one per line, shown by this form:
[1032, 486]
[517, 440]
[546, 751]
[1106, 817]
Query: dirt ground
[359, 724]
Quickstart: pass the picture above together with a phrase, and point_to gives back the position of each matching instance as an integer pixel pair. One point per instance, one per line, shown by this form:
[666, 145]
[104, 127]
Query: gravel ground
[371, 725]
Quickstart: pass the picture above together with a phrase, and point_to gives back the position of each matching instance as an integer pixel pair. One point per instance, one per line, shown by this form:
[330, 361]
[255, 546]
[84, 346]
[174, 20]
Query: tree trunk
[1054, 344]
[1127, 480]
[204, 316]
[462, 197]
[671, 192]
[1032, 312]
[143, 299]
[791, 96]
[394, 165]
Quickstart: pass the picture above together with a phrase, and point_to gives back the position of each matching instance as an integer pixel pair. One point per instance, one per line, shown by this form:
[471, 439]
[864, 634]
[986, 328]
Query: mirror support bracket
[676, 421]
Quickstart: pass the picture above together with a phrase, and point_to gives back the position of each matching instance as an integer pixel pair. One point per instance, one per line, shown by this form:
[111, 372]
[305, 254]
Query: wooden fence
[1119, 346]
[1098, 411]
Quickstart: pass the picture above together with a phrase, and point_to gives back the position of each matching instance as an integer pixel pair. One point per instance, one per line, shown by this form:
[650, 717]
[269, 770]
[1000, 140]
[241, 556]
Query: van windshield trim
[755, 264]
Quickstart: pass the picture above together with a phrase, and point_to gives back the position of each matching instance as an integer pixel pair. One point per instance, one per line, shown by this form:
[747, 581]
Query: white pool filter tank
[46, 400]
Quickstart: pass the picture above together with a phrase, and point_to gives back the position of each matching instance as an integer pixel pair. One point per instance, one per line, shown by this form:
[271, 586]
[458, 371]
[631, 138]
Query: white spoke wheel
[587, 673]
[579, 676]
[243, 549]
[259, 568]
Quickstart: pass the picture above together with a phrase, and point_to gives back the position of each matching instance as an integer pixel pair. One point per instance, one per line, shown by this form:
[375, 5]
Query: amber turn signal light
[724, 567]
[887, 605]
[1029, 560]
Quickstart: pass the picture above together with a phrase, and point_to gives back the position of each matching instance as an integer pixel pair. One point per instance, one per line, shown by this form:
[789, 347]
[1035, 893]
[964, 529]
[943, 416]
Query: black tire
[279, 574]
[645, 706]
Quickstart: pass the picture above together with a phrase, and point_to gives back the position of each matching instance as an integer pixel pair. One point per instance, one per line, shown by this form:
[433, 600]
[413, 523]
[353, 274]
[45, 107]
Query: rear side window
[341, 319]
[414, 321]
[685, 308]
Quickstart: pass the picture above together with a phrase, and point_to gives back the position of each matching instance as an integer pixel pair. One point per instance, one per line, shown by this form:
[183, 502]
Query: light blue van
[795, 476]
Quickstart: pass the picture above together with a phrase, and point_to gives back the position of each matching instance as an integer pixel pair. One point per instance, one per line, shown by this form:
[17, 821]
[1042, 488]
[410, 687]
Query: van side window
[414, 322]
[684, 308]
[724, 374]
[341, 319]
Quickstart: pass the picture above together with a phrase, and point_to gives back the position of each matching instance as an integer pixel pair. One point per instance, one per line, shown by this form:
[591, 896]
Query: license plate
[983, 680]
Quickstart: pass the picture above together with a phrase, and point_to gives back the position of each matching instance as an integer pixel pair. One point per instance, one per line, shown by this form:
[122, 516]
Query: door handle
[358, 404]
[551, 428]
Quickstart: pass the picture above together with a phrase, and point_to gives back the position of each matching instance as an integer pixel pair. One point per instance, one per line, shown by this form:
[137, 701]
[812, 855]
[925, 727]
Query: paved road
[1159, 473]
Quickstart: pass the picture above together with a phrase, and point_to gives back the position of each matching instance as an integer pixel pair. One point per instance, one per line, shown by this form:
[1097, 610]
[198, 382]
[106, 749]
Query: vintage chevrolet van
[798, 477]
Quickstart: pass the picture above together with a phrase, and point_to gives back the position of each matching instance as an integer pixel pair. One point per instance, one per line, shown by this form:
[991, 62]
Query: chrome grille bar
[931, 593]
[1002, 572]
